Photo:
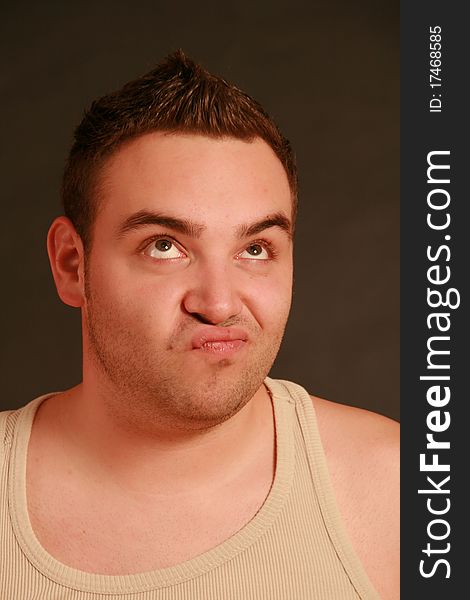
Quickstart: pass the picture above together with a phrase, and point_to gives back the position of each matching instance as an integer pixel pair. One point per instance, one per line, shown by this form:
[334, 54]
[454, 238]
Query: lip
[219, 340]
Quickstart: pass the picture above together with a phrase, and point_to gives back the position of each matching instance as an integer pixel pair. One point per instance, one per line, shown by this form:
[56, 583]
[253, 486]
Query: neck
[161, 460]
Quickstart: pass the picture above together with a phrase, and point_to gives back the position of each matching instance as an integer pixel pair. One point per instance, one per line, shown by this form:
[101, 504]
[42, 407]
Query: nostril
[200, 317]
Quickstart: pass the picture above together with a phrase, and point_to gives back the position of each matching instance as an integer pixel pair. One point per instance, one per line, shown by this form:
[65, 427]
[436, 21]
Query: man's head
[178, 96]
[185, 285]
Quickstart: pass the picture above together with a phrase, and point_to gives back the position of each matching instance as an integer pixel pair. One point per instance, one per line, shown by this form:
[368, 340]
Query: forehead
[213, 180]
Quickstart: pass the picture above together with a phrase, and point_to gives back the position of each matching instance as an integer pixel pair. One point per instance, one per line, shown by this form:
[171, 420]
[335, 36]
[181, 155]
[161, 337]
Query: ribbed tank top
[294, 548]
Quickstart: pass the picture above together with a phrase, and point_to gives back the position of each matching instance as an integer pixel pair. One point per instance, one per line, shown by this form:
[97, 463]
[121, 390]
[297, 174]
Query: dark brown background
[328, 73]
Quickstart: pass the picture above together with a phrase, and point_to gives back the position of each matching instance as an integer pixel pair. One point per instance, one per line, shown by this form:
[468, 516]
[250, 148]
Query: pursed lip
[206, 336]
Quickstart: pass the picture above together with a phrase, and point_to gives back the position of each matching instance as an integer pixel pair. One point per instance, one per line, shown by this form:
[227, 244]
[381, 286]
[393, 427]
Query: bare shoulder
[358, 430]
[363, 456]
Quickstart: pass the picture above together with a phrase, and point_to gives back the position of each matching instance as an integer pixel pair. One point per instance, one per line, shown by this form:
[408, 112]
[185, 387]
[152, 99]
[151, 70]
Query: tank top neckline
[140, 582]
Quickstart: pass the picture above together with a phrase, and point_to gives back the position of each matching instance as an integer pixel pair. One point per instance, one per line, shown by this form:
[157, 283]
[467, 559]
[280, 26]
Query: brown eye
[255, 251]
[163, 249]
[163, 245]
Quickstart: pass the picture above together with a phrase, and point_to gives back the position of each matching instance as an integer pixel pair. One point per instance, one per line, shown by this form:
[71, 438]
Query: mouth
[219, 347]
[219, 341]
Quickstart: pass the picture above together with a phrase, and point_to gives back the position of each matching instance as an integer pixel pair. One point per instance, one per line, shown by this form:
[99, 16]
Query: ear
[66, 255]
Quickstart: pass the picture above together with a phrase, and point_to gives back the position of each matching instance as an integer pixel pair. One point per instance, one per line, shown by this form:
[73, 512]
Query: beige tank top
[294, 548]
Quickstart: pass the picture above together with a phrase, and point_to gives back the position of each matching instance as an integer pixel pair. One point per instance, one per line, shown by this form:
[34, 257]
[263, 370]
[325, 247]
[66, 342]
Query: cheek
[134, 294]
[270, 300]
[112, 306]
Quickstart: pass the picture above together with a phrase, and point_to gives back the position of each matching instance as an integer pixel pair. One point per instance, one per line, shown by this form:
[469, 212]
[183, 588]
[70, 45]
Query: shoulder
[363, 456]
[358, 430]
[10, 419]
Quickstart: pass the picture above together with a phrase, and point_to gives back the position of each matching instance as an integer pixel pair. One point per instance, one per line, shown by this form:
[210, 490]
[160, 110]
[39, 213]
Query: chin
[206, 401]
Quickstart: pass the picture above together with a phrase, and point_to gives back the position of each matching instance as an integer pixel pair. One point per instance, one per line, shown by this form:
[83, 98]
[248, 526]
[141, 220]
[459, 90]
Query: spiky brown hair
[177, 96]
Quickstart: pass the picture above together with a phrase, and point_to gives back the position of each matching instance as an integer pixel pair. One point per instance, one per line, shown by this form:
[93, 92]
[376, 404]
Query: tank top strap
[8, 420]
[308, 425]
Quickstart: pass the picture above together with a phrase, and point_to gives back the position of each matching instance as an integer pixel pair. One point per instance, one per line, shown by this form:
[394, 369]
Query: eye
[255, 251]
[163, 249]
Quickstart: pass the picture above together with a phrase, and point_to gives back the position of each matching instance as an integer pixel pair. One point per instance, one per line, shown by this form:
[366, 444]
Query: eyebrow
[189, 228]
[144, 218]
[278, 219]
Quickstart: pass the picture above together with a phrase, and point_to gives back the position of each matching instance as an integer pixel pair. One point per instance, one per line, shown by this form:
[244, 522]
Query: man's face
[189, 278]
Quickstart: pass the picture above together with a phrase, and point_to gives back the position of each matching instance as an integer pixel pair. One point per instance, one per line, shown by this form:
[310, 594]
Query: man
[177, 469]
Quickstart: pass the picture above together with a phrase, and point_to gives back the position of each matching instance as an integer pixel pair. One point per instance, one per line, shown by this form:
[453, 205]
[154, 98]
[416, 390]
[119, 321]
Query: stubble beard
[145, 386]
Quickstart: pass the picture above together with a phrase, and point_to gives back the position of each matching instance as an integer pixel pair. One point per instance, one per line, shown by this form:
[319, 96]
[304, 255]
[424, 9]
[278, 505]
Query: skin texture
[170, 418]
[154, 304]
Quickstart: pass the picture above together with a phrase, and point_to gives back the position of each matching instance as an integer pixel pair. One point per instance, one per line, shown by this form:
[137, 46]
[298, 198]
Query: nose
[212, 296]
